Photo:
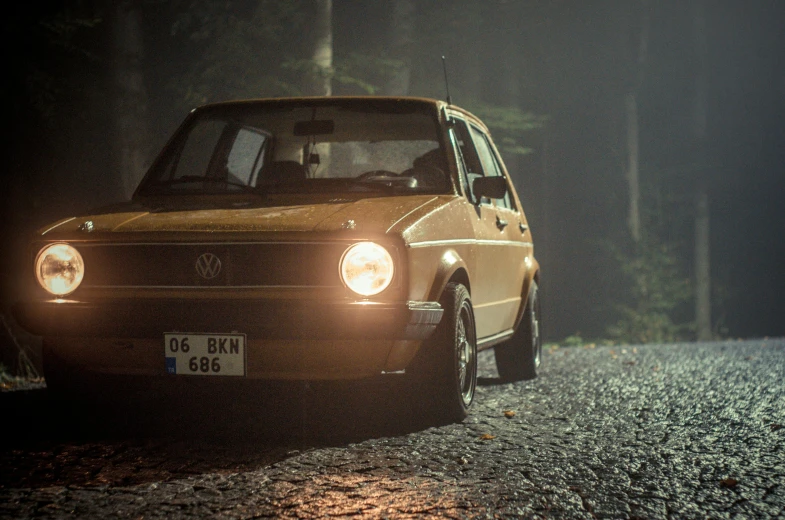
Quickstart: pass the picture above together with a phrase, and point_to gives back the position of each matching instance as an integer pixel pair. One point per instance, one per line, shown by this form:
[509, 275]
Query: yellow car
[302, 238]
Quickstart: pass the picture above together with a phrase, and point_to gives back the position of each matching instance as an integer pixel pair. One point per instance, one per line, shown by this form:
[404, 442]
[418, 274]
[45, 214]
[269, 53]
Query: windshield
[308, 148]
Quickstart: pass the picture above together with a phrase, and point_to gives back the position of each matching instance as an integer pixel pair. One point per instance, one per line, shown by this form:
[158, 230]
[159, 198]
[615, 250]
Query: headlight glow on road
[367, 268]
[59, 269]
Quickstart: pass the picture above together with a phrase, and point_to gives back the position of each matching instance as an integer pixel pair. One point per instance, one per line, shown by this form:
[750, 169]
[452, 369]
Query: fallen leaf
[612, 352]
[728, 483]
[656, 369]
[635, 351]
[629, 362]
[509, 414]
[487, 437]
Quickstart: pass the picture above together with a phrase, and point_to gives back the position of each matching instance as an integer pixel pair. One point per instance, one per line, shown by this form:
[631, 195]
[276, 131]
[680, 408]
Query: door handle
[501, 224]
[523, 227]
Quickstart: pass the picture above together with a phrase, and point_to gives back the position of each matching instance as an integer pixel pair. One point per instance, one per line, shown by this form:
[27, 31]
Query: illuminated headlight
[59, 269]
[367, 268]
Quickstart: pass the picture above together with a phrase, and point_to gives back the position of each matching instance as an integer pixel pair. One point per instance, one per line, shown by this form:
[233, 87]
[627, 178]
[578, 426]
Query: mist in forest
[644, 137]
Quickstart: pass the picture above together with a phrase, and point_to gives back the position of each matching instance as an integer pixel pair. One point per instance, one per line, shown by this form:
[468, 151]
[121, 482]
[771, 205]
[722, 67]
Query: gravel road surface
[657, 431]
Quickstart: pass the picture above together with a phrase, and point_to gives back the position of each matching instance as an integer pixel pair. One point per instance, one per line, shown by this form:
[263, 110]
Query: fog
[93, 87]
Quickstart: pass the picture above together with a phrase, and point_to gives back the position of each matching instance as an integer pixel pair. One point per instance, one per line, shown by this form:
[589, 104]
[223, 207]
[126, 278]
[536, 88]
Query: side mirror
[491, 187]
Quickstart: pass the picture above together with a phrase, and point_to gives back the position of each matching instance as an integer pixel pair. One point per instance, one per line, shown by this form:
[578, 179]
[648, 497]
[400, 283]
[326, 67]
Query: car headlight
[59, 269]
[367, 268]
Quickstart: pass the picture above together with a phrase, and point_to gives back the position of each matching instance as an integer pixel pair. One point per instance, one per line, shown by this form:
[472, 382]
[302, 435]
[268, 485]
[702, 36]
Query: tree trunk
[633, 130]
[320, 81]
[702, 265]
[131, 138]
[323, 49]
[401, 40]
[702, 239]
[633, 175]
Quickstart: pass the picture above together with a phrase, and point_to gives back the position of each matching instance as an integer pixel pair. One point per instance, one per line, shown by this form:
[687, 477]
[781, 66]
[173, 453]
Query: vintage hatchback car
[306, 238]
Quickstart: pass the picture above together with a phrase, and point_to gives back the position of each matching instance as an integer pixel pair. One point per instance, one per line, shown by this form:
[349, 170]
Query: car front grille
[197, 265]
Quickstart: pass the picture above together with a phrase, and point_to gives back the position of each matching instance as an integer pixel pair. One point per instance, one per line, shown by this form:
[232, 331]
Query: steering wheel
[427, 176]
[376, 173]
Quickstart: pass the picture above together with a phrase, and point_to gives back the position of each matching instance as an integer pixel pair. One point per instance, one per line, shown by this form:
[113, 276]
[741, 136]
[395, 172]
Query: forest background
[644, 137]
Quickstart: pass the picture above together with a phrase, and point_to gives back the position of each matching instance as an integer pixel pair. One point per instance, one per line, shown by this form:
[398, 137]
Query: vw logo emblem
[208, 266]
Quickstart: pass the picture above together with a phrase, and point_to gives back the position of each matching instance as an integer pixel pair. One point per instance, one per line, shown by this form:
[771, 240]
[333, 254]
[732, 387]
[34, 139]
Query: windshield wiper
[372, 185]
[196, 178]
[331, 185]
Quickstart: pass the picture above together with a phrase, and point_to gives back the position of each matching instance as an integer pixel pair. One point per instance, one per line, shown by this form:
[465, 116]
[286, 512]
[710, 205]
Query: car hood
[373, 215]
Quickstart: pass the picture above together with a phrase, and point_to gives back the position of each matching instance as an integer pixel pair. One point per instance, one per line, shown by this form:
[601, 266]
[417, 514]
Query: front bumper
[258, 319]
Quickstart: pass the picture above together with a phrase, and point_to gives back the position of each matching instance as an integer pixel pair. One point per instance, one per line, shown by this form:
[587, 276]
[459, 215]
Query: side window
[246, 156]
[489, 162]
[468, 157]
[469, 153]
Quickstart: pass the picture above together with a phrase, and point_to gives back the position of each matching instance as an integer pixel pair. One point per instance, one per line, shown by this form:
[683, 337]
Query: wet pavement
[674, 431]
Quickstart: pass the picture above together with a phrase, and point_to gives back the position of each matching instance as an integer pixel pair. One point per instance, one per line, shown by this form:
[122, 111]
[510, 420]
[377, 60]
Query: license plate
[205, 354]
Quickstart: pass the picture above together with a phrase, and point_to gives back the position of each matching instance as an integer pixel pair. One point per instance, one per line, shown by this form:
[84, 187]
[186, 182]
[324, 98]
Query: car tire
[448, 364]
[519, 358]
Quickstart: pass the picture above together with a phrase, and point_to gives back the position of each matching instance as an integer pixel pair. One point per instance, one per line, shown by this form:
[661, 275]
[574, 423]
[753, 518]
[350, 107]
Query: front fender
[451, 267]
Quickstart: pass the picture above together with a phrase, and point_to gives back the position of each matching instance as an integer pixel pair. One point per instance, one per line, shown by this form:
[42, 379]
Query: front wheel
[448, 364]
[520, 357]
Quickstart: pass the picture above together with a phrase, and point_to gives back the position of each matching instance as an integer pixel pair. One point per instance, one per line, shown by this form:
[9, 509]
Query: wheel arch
[527, 284]
[452, 269]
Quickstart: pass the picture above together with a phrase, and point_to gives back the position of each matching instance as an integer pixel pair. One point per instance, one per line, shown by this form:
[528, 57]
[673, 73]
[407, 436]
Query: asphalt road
[673, 431]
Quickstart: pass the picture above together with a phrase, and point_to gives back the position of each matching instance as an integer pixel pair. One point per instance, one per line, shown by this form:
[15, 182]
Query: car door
[496, 280]
[508, 256]
[506, 253]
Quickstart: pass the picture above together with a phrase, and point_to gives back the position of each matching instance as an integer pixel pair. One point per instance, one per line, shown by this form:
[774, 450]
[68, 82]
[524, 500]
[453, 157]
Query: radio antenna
[446, 83]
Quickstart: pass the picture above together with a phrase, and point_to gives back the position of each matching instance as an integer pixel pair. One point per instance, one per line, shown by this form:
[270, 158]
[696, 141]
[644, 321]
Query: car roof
[381, 103]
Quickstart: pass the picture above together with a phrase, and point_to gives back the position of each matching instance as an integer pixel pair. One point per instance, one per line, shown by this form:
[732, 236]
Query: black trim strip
[491, 341]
